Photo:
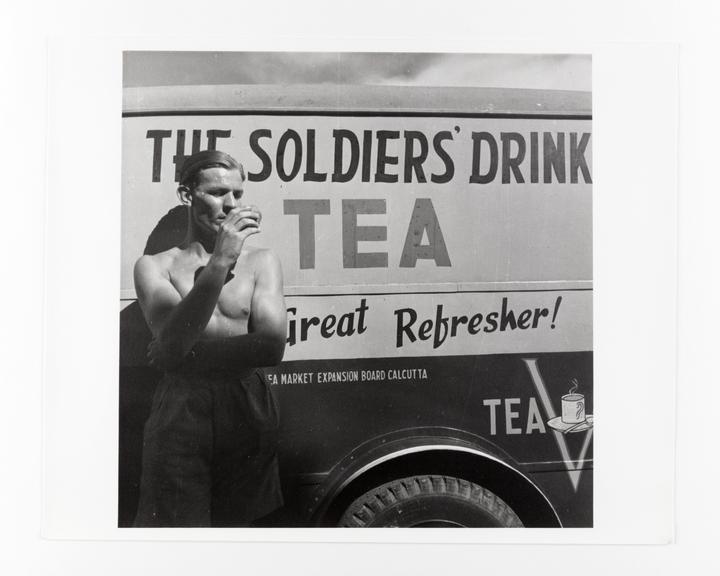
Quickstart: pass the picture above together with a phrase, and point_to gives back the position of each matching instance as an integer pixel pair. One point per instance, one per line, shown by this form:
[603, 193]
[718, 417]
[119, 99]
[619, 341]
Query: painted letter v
[573, 468]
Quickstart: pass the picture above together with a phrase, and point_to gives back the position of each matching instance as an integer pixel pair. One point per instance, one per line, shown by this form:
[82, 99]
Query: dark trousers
[209, 452]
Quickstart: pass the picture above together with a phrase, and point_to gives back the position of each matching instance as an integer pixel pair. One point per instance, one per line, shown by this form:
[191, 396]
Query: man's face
[218, 190]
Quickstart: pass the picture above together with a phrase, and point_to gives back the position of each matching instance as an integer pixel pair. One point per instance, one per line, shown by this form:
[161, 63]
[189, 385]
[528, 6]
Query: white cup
[573, 408]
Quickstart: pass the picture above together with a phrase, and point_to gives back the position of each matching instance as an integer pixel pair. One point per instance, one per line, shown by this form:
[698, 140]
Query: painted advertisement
[437, 271]
[385, 200]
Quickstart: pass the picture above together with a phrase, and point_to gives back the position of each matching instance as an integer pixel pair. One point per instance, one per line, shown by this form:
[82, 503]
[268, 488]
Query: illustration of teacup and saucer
[573, 417]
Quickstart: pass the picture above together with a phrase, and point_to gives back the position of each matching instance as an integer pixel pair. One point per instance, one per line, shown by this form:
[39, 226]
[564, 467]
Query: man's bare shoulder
[160, 263]
[262, 258]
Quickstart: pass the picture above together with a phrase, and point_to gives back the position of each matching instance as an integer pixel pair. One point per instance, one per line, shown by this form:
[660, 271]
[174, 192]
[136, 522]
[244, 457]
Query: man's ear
[184, 194]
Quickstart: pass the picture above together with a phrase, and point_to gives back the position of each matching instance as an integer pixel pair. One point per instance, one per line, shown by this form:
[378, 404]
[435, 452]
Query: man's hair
[200, 161]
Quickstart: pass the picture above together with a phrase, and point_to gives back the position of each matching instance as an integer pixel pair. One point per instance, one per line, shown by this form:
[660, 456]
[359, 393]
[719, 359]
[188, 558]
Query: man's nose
[229, 202]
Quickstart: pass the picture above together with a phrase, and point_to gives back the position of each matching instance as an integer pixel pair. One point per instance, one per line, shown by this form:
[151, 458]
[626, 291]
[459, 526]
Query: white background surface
[638, 245]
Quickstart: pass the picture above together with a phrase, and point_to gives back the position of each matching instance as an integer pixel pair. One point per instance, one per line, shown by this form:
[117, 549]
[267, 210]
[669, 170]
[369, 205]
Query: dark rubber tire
[429, 501]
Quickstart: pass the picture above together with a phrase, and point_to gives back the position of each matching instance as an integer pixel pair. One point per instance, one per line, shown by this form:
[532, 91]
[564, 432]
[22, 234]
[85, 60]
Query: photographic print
[356, 290]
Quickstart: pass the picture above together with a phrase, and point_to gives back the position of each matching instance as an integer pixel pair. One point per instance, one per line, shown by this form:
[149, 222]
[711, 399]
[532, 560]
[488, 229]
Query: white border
[634, 135]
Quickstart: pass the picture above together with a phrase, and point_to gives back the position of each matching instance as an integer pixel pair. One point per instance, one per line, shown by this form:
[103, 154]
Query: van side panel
[491, 199]
[437, 255]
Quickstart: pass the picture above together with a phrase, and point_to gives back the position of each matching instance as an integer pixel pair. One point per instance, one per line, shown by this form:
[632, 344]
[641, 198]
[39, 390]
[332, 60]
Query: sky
[541, 71]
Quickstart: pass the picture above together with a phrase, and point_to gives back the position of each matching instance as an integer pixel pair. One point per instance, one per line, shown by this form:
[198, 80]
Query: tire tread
[367, 507]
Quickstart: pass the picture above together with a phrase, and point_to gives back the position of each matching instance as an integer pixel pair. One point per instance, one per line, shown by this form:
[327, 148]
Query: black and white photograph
[287, 281]
[356, 290]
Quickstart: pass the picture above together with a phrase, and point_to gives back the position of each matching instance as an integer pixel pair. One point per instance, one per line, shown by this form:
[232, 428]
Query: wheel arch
[432, 451]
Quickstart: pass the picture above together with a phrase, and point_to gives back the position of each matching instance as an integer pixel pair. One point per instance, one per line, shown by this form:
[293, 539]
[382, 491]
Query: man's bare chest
[233, 307]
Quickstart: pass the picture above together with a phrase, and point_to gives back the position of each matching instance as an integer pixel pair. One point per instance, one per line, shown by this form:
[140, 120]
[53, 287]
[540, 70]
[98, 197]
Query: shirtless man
[216, 310]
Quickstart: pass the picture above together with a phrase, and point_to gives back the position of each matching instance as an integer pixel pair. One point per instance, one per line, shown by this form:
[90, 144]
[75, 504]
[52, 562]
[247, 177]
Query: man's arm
[177, 323]
[264, 345]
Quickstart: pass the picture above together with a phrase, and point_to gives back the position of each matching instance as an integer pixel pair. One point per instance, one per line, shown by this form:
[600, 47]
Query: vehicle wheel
[430, 501]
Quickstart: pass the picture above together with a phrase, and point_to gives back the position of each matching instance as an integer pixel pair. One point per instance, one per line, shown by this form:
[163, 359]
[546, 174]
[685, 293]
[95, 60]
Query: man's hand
[239, 224]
